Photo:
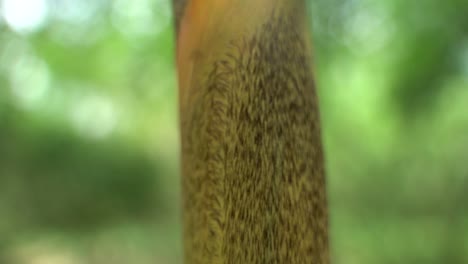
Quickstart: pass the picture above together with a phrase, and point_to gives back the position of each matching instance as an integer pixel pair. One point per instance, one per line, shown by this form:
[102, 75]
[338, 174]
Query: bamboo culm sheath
[252, 160]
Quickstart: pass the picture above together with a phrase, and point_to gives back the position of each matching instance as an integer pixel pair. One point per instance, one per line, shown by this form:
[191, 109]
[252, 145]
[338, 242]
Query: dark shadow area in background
[54, 179]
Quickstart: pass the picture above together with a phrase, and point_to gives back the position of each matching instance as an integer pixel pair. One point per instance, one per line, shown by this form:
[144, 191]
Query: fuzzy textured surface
[252, 160]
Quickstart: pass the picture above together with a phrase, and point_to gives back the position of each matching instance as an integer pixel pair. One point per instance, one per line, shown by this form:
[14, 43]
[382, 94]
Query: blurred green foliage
[89, 140]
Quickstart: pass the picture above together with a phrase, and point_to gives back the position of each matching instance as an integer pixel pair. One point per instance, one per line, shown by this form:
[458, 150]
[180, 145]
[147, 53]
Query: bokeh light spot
[139, 18]
[94, 116]
[25, 16]
[30, 81]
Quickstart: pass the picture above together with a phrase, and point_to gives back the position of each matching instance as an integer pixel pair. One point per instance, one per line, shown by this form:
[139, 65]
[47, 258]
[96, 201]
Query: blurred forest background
[89, 136]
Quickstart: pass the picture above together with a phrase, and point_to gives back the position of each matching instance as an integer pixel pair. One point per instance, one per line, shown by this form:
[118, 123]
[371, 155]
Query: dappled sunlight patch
[30, 81]
[29, 77]
[43, 251]
[1, 15]
[359, 102]
[123, 243]
[76, 12]
[94, 116]
[140, 18]
[79, 22]
[25, 16]
[368, 28]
